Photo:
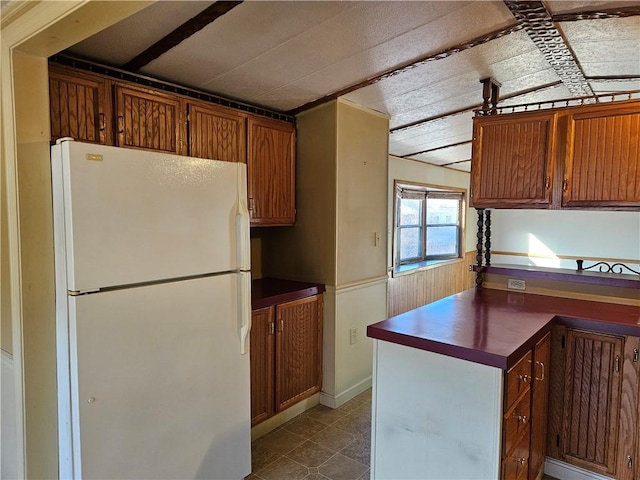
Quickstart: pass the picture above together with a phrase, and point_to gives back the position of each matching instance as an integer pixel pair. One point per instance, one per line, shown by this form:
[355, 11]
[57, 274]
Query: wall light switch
[376, 239]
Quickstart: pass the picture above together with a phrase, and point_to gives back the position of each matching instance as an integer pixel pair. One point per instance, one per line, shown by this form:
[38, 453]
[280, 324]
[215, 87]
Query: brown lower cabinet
[524, 422]
[286, 355]
[593, 411]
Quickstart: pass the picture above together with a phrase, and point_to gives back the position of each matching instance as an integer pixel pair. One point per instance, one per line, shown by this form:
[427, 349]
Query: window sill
[409, 268]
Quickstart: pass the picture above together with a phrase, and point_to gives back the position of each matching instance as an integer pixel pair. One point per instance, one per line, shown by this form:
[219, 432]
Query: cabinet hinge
[558, 441]
[562, 342]
[635, 355]
[617, 364]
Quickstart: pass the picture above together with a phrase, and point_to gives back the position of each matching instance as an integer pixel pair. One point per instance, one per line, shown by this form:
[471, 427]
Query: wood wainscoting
[413, 290]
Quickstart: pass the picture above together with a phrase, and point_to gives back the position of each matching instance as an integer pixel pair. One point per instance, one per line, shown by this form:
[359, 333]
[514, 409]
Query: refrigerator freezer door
[158, 385]
[131, 216]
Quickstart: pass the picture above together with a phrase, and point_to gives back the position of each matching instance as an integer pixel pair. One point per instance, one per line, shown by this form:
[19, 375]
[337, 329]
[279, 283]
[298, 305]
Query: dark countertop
[496, 327]
[271, 291]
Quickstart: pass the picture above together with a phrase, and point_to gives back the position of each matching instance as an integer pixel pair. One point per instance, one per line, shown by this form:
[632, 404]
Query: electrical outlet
[352, 336]
[516, 284]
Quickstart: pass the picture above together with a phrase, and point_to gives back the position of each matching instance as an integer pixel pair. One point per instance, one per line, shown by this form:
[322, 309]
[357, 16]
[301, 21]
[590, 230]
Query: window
[428, 224]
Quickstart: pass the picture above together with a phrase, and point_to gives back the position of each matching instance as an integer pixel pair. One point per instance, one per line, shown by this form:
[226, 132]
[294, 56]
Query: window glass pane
[442, 210]
[442, 241]
[410, 211]
[410, 243]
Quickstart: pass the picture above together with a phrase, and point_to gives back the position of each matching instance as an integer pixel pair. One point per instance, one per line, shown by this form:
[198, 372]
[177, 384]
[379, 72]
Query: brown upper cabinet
[216, 132]
[79, 106]
[92, 108]
[602, 160]
[513, 160]
[149, 119]
[271, 172]
[575, 157]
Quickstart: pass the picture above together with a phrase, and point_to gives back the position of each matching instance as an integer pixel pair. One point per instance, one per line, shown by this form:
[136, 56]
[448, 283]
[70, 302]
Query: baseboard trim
[334, 401]
[564, 471]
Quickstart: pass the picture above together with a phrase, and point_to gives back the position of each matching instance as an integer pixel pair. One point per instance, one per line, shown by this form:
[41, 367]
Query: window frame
[411, 190]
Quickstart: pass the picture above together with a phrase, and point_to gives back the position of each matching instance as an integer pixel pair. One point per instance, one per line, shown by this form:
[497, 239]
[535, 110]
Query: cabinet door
[602, 167]
[271, 172]
[539, 406]
[513, 160]
[262, 340]
[217, 133]
[149, 119]
[79, 106]
[592, 400]
[629, 438]
[298, 350]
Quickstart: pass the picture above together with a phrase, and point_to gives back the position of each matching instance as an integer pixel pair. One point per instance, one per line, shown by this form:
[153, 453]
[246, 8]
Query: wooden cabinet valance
[90, 107]
[576, 157]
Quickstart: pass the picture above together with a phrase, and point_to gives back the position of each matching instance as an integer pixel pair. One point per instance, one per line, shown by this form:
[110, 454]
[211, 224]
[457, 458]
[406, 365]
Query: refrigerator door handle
[244, 310]
[242, 222]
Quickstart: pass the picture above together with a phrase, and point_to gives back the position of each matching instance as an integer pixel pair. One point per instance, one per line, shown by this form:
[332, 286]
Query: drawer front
[516, 422]
[518, 379]
[516, 465]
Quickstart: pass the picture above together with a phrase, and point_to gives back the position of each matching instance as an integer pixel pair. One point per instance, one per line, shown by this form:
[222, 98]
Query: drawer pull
[524, 378]
[521, 418]
[542, 368]
[520, 460]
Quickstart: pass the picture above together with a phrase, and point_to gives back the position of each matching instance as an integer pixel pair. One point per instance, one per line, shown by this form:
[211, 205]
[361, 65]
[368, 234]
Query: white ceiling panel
[120, 43]
[602, 46]
[462, 166]
[242, 35]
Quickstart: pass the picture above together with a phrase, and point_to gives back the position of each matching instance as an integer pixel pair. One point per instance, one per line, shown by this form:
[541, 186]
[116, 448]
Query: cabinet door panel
[217, 133]
[513, 160]
[149, 119]
[539, 407]
[516, 465]
[603, 162]
[78, 106]
[298, 350]
[271, 172]
[592, 395]
[262, 364]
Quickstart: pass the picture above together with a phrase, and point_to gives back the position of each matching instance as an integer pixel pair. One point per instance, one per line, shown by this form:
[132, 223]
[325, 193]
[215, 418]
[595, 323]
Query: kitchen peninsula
[460, 385]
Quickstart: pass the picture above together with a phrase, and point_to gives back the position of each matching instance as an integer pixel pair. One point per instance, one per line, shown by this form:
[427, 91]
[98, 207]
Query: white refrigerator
[152, 314]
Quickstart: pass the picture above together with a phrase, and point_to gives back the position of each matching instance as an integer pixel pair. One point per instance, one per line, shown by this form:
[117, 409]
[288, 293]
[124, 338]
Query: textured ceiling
[419, 62]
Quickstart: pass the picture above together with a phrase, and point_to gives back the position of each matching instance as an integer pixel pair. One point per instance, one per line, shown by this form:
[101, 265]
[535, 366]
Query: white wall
[420, 172]
[555, 238]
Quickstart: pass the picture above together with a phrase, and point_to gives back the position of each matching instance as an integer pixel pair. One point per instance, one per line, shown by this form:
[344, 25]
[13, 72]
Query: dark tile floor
[319, 444]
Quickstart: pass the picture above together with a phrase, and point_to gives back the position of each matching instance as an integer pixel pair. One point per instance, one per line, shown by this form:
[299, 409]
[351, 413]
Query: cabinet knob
[524, 378]
[520, 460]
[522, 418]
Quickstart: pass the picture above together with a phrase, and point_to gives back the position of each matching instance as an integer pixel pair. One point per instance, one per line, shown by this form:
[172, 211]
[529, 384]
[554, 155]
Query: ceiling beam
[442, 147]
[597, 14]
[184, 31]
[405, 67]
[538, 24]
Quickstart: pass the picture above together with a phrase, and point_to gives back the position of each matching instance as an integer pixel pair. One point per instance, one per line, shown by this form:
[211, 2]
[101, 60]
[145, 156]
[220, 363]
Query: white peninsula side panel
[434, 417]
